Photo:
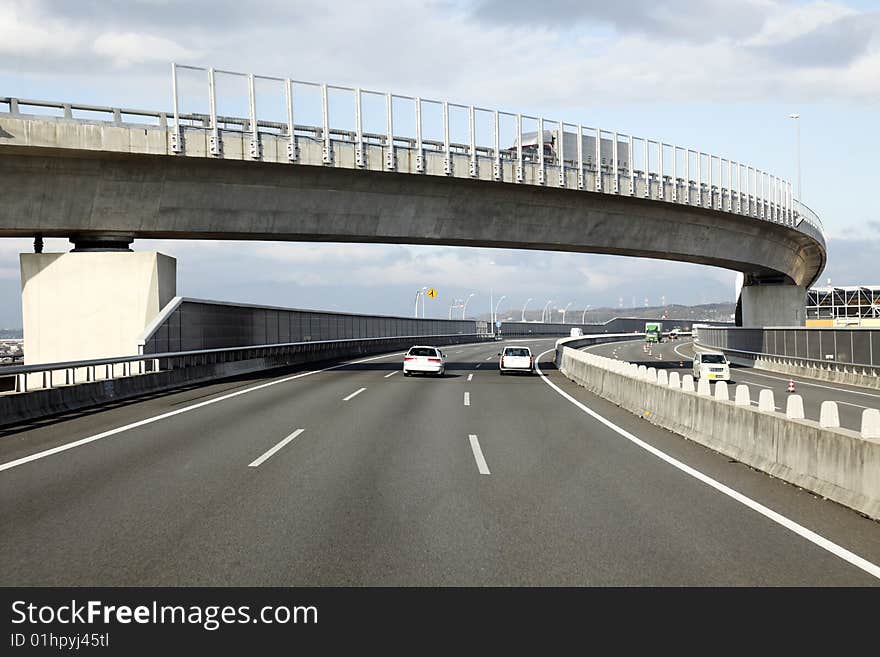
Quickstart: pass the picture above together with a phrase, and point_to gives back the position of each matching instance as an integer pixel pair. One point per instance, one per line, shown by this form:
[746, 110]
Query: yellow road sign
[431, 293]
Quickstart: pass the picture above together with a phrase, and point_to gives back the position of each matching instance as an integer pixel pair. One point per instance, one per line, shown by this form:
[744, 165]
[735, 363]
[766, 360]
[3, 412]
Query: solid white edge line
[259, 461]
[467, 399]
[800, 530]
[391, 374]
[470, 376]
[134, 425]
[354, 394]
[482, 466]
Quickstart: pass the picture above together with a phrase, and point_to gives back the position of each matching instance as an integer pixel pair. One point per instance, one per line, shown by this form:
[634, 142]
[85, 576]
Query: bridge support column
[78, 306]
[772, 305]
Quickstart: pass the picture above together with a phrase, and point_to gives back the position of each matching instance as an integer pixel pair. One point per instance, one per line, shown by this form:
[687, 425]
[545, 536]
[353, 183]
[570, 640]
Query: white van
[577, 332]
[713, 365]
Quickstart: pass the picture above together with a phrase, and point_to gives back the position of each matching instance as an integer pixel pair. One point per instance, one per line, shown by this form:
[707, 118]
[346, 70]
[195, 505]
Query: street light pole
[464, 307]
[543, 312]
[416, 311]
[584, 316]
[495, 313]
[565, 310]
[797, 120]
[524, 309]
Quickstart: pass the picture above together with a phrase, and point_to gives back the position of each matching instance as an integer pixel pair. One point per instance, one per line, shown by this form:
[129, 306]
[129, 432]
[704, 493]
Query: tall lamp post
[524, 309]
[543, 312]
[584, 316]
[565, 310]
[495, 312]
[455, 302]
[797, 120]
[419, 293]
[464, 307]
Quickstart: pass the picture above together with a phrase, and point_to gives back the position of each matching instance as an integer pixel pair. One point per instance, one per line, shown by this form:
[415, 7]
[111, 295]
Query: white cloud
[26, 32]
[126, 48]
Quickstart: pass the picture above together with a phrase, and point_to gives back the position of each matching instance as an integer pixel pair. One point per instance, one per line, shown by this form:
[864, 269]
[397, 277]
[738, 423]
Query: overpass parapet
[282, 120]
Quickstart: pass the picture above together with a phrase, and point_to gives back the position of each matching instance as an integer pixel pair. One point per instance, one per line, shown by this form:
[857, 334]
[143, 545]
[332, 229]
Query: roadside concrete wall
[836, 463]
[16, 408]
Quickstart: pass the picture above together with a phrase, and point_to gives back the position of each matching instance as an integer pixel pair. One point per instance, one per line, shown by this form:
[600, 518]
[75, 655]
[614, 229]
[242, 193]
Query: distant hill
[709, 312]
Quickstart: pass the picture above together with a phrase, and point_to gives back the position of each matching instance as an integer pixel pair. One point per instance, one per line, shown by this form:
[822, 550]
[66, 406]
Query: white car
[515, 359]
[713, 365]
[428, 360]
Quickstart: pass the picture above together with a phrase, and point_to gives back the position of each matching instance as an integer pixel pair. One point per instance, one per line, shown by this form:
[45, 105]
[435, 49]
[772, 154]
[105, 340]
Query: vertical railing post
[661, 174]
[291, 127]
[647, 169]
[327, 148]
[359, 159]
[256, 148]
[447, 152]
[687, 176]
[615, 176]
[420, 147]
[496, 167]
[390, 155]
[675, 150]
[580, 147]
[598, 160]
[176, 144]
[729, 186]
[541, 164]
[560, 152]
[629, 159]
[519, 151]
[473, 142]
[216, 148]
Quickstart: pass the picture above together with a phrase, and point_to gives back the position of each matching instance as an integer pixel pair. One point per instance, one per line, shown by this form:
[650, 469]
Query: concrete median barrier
[835, 463]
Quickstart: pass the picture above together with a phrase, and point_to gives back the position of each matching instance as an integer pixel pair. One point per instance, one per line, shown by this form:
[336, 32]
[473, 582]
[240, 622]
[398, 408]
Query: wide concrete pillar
[78, 306]
[773, 305]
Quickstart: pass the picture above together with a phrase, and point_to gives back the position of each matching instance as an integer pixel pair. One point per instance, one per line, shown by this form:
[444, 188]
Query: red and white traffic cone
[791, 385]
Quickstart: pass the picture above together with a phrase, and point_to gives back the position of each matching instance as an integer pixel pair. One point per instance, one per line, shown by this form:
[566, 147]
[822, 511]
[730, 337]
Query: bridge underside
[96, 197]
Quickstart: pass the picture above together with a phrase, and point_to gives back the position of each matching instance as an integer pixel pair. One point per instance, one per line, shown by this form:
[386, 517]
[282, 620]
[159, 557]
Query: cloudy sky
[718, 75]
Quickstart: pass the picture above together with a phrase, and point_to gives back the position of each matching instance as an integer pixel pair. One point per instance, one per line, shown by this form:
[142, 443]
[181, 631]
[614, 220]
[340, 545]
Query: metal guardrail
[147, 363]
[617, 163]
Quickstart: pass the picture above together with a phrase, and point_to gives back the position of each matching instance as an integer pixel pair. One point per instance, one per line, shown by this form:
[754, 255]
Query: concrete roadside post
[829, 418]
[871, 424]
[794, 407]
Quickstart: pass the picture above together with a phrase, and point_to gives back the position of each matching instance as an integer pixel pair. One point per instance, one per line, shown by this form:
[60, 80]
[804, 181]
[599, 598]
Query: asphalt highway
[351, 474]
[677, 355]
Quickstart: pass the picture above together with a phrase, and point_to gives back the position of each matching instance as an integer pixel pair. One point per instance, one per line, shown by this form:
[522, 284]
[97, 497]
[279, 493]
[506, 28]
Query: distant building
[851, 305]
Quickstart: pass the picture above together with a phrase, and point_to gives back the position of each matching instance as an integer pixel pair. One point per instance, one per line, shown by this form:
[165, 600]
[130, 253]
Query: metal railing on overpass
[439, 137]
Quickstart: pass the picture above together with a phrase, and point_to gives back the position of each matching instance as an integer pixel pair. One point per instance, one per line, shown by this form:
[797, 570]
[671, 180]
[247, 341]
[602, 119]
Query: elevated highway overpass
[474, 177]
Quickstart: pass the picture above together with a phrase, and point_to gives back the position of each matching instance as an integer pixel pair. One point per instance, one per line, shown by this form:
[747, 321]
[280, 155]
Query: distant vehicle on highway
[515, 359]
[653, 331]
[577, 332]
[424, 359]
[673, 334]
[498, 337]
[713, 365]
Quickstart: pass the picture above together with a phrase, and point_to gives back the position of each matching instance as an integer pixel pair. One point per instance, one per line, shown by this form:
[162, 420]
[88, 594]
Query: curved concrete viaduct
[92, 182]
